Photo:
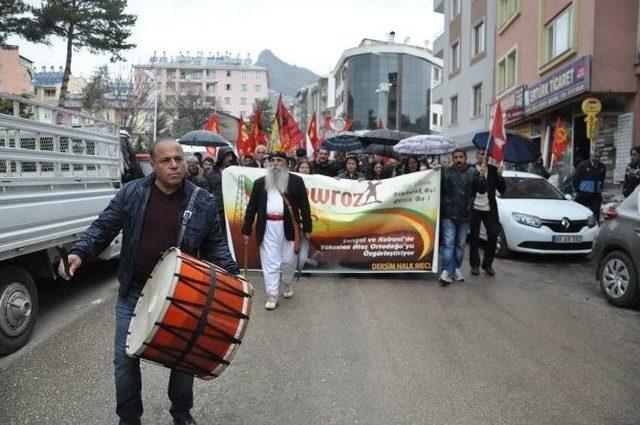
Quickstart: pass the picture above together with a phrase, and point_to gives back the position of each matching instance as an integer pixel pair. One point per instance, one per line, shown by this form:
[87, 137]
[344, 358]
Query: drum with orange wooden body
[191, 316]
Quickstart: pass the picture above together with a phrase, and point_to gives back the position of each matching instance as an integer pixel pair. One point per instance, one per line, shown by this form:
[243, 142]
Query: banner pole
[246, 259]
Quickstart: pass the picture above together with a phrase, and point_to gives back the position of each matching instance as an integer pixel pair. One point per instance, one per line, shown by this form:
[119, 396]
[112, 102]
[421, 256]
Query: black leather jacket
[458, 191]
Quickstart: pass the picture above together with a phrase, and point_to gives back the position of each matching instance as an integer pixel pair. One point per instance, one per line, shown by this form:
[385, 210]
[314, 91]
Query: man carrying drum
[152, 214]
[280, 201]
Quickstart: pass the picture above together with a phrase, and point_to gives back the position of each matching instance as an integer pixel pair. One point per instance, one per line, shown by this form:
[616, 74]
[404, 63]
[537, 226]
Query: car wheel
[18, 308]
[502, 249]
[619, 279]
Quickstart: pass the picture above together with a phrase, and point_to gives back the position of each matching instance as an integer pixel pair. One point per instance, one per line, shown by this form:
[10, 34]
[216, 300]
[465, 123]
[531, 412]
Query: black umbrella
[384, 136]
[382, 150]
[347, 142]
[518, 150]
[203, 138]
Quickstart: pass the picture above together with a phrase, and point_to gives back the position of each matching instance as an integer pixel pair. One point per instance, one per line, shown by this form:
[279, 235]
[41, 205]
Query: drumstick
[246, 258]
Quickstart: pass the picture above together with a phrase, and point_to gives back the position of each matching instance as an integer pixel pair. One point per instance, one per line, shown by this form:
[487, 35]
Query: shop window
[558, 35]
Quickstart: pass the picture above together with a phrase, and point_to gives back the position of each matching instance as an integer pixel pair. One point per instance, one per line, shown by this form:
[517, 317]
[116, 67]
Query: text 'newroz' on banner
[358, 226]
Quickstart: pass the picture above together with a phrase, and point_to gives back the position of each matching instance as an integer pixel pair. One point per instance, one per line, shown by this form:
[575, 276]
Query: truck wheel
[18, 308]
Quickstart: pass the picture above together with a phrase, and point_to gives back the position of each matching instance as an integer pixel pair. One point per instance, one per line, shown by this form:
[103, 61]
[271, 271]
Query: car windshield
[527, 187]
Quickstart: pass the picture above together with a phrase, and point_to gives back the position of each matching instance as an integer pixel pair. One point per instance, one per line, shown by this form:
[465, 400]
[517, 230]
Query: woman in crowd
[632, 173]
[351, 169]
[411, 164]
[303, 167]
[375, 172]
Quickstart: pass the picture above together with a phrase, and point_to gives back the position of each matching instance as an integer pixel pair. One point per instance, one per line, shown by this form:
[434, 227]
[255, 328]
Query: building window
[558, 34]
[455, 57]
[228, 73]
[258, 74]
[196, 75]
[434, 119]
[507, 9]
[49, 92]
[477, 100]
[171, 87]
[257, 87]
[454, 110]
[479, 44]
[211, 73]
[507, 72]
[171, 74]
[437, 76]
[243, 87]
[243, 100]
[227, 101]
[211, 87]
[228, 87]
[455, 8]
[243, 74]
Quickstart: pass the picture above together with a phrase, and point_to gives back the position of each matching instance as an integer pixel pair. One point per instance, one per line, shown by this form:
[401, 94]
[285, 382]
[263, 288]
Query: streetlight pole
[383, 102]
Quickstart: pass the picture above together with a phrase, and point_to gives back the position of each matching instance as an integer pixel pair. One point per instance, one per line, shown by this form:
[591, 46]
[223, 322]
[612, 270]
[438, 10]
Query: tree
[267, 113]
[14, 19]
[94, 93]
[99, 25]
[190, 112]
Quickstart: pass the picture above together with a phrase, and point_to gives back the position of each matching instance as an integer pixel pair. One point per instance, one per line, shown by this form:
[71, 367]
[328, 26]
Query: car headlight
[591, 221]
[527, 220]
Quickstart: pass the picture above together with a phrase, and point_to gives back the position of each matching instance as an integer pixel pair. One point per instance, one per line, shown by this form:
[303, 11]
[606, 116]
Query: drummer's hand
[246, 238]
[74, 263]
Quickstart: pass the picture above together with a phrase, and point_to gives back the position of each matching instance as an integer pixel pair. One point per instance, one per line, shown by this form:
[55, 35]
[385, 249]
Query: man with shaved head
[152, 213]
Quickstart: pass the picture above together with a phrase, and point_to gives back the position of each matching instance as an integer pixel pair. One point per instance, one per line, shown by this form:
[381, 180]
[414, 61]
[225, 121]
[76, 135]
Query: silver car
[616, 254]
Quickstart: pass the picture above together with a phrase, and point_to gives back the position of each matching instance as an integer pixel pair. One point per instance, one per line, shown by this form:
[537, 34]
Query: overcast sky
[304, 33]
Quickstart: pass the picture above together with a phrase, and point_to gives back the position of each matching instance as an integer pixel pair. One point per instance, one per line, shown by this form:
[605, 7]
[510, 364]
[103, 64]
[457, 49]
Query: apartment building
[553, 54]
[16, 71]
[466, 46]
[232, 82]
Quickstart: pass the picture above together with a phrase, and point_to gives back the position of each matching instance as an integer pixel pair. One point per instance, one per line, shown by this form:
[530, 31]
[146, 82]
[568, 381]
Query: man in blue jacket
[151, 213]
[588, 182]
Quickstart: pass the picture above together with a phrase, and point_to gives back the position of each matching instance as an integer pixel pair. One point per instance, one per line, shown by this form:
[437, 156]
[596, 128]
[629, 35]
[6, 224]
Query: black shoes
[489, 270]
[475, 271]
[188, 420]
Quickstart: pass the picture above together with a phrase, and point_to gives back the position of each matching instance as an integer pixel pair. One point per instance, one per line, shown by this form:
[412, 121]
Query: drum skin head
[153, 303]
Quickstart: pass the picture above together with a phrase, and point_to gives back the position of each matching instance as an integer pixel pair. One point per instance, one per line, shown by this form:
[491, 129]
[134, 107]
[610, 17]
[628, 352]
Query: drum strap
[202, 321]
[186, 216]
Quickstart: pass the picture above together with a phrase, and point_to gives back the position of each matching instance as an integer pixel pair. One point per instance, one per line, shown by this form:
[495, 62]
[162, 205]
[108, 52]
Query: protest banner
[358, 226]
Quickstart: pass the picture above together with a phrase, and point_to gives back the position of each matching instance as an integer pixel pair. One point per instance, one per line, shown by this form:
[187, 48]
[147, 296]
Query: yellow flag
[274, 137]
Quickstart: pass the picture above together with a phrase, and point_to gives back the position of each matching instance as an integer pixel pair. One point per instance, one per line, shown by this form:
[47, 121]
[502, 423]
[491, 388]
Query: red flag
[257, 134]
[380, 124]
[498, 134]
[290, 134]
[242, 144]
[312, 132]
[560, 141]
[212, 124]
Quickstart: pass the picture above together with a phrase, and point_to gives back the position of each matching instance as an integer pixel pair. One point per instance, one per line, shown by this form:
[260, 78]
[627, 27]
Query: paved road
[537, 345]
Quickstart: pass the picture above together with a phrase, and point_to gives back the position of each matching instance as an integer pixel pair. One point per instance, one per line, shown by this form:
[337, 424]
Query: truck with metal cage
[58, 170]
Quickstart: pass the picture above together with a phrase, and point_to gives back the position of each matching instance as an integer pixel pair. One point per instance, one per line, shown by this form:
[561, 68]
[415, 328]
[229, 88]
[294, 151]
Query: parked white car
[536, 217]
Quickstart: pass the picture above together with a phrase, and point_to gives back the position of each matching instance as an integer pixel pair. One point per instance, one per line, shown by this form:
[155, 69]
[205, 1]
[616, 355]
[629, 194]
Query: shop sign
[591, 106]
[570, 81]
[513, 104]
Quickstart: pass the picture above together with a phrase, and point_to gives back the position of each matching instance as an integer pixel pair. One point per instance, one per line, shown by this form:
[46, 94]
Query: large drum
[191, 316]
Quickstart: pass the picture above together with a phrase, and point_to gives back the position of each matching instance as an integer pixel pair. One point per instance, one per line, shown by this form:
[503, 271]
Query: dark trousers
[127, 373]
[593, 201]
[490, 220]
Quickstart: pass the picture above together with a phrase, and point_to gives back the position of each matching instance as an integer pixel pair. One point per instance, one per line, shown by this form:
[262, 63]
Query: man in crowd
[485, 210]
[321, 164]
[460, 183]
[280, 202]
[259, 160]
[149, 212]
[208, 164]
[193, 173]
[225, 158]
[588, 182]
[632, 172]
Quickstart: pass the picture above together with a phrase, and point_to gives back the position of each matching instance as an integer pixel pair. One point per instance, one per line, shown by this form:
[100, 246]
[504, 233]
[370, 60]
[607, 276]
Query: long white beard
[277, 178]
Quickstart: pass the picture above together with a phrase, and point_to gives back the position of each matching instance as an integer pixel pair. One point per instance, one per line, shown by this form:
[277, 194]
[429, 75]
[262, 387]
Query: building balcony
[439, 45]
[438, 6]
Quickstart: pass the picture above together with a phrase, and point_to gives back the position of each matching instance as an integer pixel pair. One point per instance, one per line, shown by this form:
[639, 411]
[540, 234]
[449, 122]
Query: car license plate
[566, 238]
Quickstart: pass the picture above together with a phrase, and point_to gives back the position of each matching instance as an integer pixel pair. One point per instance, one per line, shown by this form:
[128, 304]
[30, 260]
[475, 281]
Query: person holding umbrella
[485, 210]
